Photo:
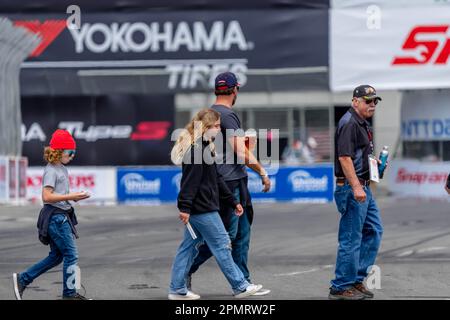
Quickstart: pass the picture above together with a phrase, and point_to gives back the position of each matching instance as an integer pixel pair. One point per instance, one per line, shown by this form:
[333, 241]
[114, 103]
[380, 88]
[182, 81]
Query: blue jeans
[62, 247]
[239, 231]
[208, 227]
[360, 232]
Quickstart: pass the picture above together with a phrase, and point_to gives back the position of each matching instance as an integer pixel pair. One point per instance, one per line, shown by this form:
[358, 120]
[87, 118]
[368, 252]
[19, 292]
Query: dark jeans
[239, 231]
[62, 247]
[360, 232]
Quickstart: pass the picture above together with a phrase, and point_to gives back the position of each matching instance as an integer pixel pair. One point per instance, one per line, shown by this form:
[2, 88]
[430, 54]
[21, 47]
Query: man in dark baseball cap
[227, 86]
[360, 227]
[226, 80]
[366, 92]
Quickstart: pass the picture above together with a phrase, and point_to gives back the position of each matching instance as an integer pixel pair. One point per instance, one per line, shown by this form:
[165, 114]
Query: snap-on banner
[405, 46]
[109, 130]
[418, 179]
[161, 184]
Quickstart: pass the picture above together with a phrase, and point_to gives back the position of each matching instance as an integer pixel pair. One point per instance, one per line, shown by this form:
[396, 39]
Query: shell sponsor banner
[391, 47]
[155, 185]
[100, 182]
[415, 178]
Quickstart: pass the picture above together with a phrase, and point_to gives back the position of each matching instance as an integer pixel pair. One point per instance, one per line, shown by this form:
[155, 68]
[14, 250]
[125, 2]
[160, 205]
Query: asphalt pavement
[126, 251]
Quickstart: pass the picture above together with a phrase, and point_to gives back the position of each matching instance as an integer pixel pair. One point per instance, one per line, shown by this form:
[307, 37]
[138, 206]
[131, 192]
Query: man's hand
[359, 194]
[184, 217]
[266, 183]
[239, 210]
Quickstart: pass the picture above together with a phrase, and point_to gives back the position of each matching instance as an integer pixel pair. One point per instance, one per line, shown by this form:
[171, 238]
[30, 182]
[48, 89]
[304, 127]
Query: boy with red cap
[57, 220]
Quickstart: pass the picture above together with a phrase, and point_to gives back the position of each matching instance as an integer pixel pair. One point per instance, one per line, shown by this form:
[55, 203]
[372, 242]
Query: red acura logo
[47, 31]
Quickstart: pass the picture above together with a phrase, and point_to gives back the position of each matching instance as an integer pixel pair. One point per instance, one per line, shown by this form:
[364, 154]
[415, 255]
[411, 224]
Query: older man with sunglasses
[360, 227]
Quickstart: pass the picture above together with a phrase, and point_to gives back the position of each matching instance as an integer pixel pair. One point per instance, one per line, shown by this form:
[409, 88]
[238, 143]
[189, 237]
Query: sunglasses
[369, 101]
[70, 152]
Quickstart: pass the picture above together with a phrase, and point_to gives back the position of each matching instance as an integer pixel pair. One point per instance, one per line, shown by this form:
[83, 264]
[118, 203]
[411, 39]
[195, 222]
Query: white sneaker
[250, 290]
[18, 288]
[188, 296]
[262, 292]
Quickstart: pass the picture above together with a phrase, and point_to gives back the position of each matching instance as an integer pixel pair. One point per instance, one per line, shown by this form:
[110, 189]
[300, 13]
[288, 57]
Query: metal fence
[15, 45]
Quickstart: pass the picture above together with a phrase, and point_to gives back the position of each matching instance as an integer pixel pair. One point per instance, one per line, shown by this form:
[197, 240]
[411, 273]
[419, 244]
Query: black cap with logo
[366, 92]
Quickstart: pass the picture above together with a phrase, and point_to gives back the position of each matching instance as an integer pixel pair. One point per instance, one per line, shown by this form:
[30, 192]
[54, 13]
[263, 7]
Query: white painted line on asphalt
[428, 259]
[405, 253]
[328, 266]
[431, 249]
[295, 273]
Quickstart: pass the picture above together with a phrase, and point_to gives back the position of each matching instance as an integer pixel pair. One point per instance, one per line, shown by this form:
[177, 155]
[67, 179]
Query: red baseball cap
[62, 139]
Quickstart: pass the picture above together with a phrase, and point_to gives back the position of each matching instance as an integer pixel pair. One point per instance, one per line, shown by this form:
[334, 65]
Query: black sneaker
[76, 296]
[349, 294]
[18, 287]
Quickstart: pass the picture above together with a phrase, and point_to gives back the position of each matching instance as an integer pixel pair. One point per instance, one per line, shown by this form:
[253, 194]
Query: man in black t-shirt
[360, 227]
[233, 156]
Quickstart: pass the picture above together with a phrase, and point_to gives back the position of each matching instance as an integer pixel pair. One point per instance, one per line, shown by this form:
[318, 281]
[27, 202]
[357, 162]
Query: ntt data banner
[425, 115]
[183, 49]
[390, 47]
[159, 185]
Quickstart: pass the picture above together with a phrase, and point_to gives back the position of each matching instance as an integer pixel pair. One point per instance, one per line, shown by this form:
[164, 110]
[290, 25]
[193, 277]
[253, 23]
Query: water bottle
[383, 158]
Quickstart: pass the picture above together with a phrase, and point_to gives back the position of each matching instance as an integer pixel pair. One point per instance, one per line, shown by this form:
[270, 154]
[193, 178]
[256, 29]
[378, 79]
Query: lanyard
[369, 134]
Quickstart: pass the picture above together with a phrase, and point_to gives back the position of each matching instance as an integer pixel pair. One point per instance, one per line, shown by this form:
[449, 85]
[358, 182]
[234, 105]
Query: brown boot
[349, 294]
[362, 288]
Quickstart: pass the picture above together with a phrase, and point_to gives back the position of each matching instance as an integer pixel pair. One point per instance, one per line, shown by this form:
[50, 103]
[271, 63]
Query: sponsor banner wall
[4, 181]
[419, 179]
[391, 48]
[100, 182]
[159, 185]
[184, 50]
[425, 115]
[13, 179]
[109, 130]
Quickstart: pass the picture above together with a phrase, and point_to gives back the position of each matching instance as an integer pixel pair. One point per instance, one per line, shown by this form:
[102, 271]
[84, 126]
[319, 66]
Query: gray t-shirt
[230, 169]
[57, 177]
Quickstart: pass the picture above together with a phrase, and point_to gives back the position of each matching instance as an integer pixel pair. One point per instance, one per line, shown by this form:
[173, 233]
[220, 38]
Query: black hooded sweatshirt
[202, 187]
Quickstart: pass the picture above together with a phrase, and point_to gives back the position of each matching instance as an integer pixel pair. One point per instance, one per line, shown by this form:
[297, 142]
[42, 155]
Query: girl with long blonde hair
[198, 203]
[201, 126]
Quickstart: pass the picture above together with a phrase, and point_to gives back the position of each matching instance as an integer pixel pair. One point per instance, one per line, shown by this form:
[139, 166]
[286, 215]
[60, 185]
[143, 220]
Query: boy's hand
[77, 196]
[239, 210]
